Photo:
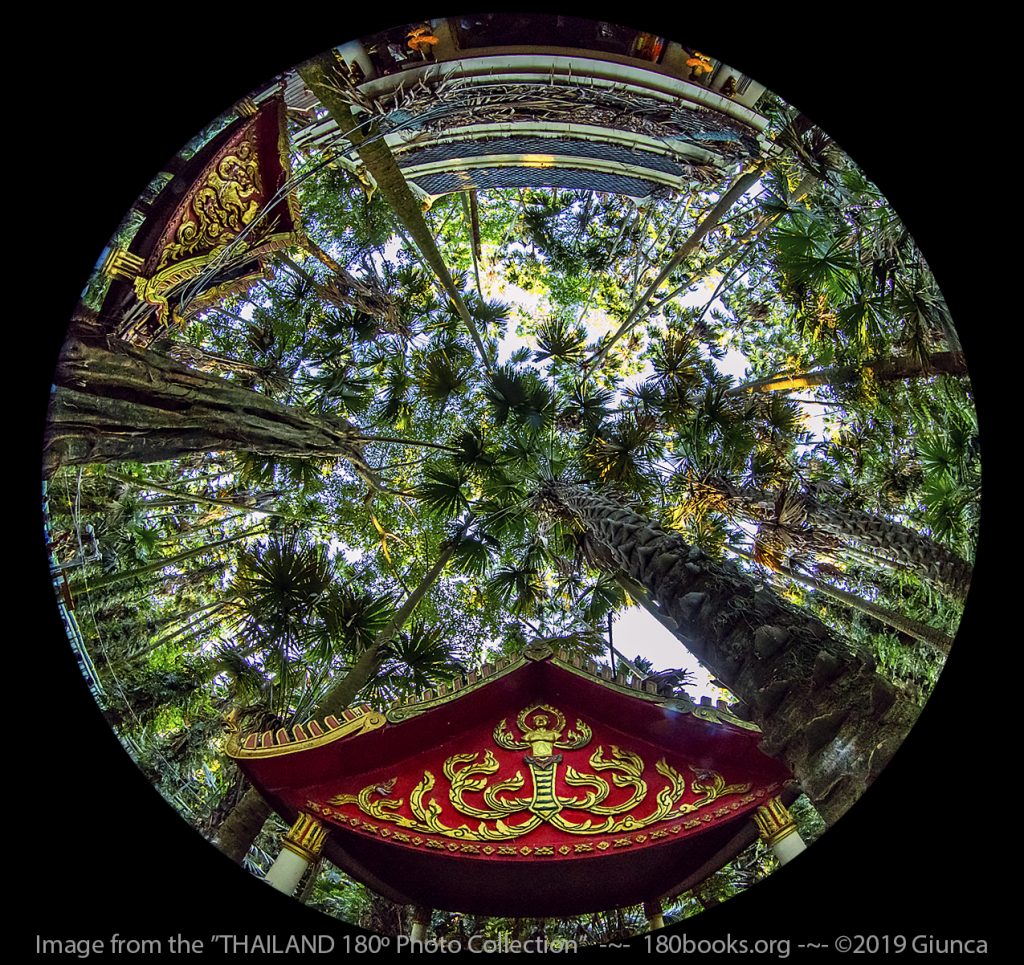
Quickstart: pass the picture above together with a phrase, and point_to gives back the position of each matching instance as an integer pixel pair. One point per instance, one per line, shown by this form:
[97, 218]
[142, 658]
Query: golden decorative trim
[306, 837]
[774, 822]
[285, 156]
[121, 263]
[355, 720]
[210, 297]
[541, 726]
[219, 208]
[424, 703]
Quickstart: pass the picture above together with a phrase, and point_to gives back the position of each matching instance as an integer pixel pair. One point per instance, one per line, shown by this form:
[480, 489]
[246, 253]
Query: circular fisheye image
[511, 482]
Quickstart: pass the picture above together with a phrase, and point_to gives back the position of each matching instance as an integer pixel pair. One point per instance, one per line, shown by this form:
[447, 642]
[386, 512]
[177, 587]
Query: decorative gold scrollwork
[221, 208]
[542, 726]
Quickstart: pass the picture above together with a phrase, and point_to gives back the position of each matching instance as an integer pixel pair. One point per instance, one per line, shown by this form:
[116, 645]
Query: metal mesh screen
[524, 177]
[570, 147]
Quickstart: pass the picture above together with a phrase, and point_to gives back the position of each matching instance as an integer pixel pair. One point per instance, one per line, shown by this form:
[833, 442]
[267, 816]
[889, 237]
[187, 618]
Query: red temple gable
[538, 789]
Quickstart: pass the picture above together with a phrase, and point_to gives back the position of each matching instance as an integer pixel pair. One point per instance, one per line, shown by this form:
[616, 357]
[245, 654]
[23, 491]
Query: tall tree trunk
[935, 639]
[471, 211]
[322, 78]
[899, 544]
[179, 497]
[240, 828]
[344, 692]
[884, 370]
[913, 551]
[116, 402]
[819, 703]
[103, 581]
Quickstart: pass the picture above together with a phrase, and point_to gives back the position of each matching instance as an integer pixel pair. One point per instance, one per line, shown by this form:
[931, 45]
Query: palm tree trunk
[344, 692]
[179, 497]
[820, 705]
[472, 216]
[935, 639]
[117, 402]
[321, 77]
[896, 543]
[103, 581]
[885, 370]
[913, 551]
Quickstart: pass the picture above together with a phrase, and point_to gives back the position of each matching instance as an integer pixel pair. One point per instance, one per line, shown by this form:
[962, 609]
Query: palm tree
[324, 78]
[284, 588]
[819, 703]
[318, 350]
[713, 217]
[798, 517]
[881, 370]
[934, 638]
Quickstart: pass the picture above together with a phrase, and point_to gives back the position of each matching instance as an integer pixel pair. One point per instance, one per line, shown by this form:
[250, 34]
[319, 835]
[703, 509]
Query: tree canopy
[762, 369]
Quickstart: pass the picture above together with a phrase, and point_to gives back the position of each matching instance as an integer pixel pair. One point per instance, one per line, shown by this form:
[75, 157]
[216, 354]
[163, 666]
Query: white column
[287, 871]
[299, 848]
[652, 911]
[778, 830]
[420, 922]
[788, 847]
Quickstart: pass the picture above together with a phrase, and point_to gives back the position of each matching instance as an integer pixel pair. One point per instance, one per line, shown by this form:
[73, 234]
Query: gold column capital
[246, 107]
[306, 837]
[774, 822]
[121, 263]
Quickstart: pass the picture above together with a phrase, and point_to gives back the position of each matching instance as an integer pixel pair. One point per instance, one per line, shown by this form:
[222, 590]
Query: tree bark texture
[895, 542]
[935, 639]
[820, 705]
[115, 402]
[885, 370]
[236, 835]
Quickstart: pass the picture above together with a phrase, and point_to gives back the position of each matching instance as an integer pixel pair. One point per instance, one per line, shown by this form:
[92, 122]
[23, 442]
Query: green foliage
[315, 563]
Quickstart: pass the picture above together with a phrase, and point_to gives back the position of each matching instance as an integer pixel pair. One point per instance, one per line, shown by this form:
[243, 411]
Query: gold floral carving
[224, 205]
[501, 812]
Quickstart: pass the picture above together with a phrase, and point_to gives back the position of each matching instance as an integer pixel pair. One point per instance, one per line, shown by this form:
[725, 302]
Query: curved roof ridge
[356, 719]
[717, 712]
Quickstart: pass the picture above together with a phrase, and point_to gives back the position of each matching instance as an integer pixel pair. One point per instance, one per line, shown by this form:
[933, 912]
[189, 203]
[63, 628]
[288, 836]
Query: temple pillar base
[299, 848]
